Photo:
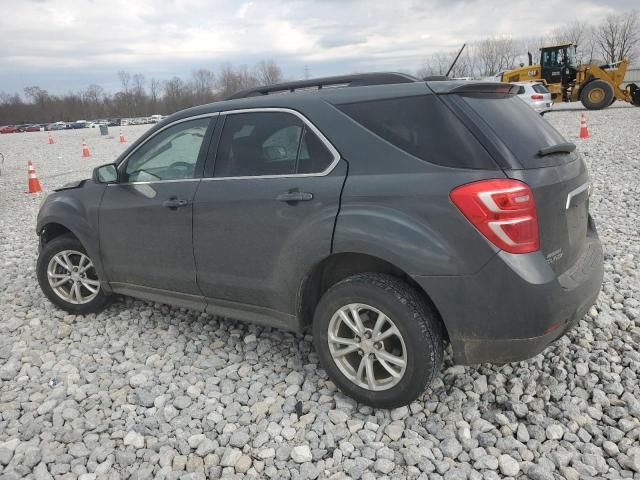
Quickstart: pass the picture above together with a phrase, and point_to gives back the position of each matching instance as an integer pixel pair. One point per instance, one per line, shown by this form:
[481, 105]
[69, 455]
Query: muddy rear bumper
[515, 306]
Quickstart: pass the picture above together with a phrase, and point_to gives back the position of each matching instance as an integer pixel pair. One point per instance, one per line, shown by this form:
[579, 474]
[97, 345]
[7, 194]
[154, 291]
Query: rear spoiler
[465, 86]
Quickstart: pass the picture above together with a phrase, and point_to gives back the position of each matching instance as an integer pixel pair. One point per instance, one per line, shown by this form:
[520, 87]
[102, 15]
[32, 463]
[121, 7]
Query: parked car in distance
[79, 124]
[388, 215]
[57, 126]
[114, 122]
[9, 129]
[33, 128]
[536, 95]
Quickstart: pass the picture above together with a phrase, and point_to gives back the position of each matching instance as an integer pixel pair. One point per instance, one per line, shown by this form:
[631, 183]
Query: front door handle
[174, 203]
[295, 197]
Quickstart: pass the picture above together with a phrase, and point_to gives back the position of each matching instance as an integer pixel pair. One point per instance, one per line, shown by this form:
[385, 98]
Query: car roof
[304, 94]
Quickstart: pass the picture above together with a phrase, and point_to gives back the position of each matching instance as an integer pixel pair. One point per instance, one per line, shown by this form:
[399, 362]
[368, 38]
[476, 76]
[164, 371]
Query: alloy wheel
[367, 347]
[72, 276]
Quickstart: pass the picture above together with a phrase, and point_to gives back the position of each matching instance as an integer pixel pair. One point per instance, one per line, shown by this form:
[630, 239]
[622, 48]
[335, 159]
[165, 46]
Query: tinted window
[539, 88]
[172, 154]
[422, 126]
[518, 126]
[314, 157]
[521, 90]
[268, 143]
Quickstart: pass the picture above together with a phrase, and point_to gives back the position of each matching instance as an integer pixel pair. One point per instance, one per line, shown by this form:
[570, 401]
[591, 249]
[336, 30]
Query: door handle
[174, 203]
[295, 197]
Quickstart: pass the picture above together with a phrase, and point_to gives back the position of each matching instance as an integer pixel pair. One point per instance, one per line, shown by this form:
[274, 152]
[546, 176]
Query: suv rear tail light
[502, 210]
[536, 97]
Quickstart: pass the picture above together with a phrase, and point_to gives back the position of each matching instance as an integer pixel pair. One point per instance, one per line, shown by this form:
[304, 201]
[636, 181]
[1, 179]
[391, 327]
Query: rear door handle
[175, 203]
[295, 197]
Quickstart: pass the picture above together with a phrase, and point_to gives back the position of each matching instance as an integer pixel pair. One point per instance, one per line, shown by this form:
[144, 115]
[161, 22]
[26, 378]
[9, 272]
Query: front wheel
[68, 277]
[597, 94]
[378, 340]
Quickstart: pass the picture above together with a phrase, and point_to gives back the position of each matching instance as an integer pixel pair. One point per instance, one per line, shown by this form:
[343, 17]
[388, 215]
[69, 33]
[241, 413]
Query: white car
[536, 95]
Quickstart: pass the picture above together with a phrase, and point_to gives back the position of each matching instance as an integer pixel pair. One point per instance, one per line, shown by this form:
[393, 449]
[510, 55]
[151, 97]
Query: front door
[551, 63]
[266, 216]
[145, 219]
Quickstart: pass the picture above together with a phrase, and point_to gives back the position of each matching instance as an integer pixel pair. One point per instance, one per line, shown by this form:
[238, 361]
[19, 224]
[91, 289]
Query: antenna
[455, 60]
[306, 72]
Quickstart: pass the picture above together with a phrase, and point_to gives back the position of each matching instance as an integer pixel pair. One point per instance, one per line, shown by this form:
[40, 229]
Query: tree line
[614, 38]
[137, 97]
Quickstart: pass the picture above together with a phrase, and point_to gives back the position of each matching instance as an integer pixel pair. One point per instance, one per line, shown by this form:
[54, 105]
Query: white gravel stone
[301, 454]
[508, 466]
[134, 439]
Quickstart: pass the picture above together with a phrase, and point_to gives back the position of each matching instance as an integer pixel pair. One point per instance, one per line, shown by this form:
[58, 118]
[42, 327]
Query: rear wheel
[597, 94]
[378, 340]
[68, 277]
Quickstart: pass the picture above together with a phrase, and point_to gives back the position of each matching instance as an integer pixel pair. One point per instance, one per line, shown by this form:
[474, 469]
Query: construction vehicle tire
[634, 92]
[597, 94]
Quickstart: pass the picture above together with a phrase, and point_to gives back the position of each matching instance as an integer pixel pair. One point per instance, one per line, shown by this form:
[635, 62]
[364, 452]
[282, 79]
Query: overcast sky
[63, 45]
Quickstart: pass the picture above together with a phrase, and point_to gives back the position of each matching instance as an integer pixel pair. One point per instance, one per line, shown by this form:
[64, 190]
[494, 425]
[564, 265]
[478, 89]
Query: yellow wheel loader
[596, 86]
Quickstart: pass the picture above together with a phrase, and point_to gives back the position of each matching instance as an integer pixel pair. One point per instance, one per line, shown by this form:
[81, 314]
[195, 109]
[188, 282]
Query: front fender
[77, 211]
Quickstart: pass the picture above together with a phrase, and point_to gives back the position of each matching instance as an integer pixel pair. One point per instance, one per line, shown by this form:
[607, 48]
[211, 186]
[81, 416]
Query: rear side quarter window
[424, 127]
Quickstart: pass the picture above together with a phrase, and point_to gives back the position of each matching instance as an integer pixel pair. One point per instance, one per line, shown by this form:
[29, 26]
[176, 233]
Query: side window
[521, 90]
[422, 126]
[170, 155]
[258, 143]
[314, 156]
[269, 143]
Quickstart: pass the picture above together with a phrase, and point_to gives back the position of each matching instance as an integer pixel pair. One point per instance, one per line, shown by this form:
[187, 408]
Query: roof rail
[355, 80]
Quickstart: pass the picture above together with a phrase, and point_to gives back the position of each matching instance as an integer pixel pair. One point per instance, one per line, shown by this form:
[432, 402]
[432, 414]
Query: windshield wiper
[558, 148]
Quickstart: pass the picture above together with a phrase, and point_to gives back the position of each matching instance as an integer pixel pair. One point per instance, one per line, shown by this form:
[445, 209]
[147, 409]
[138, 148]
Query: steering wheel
[183, 167]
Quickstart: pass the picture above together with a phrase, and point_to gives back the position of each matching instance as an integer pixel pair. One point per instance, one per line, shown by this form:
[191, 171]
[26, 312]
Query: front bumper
[515, 306]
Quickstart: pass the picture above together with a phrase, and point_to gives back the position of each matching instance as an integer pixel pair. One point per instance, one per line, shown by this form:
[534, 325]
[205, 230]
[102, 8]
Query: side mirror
[105, 173]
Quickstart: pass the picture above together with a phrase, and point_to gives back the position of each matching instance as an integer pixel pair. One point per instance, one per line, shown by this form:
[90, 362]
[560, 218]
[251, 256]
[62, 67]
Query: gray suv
[391, 216]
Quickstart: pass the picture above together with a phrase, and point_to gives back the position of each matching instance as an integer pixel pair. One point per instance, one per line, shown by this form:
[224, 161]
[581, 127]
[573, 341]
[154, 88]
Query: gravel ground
[149, 391]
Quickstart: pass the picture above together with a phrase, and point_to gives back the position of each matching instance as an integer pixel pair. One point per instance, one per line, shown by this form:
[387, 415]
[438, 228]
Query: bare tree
[268, 72]
[125, 79]
[154, 93]
[203, 85]
[618, 37]
[138, 94]
[93, 99]
[232, 80]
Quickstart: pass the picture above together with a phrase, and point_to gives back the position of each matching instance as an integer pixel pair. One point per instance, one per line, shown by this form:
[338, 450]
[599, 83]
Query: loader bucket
[634, 93]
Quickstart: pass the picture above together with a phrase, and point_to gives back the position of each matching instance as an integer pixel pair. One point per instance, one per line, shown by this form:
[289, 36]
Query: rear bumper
[542, 106]
[515, 306]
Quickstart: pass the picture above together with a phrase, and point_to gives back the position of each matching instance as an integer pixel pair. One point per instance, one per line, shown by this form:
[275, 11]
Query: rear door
[559, 181]
[266, 213]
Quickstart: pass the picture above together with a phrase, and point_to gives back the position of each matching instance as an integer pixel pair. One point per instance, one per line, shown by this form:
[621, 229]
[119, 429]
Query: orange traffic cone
[85, 149]
[51, 140]
[584, 133]
[34, 183]
[122, 139]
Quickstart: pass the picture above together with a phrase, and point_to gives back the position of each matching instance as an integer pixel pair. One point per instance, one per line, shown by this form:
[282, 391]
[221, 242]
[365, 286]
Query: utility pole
[306, 72]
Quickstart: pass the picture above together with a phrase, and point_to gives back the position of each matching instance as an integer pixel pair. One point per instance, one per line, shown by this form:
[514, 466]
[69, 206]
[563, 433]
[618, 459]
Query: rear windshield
[519, 127]
[539, 88]
[424, 127]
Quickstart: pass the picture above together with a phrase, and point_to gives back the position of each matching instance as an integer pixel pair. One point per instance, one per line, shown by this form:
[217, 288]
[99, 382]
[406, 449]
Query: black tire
[597, 94]
[417, 322]
[52, 248]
